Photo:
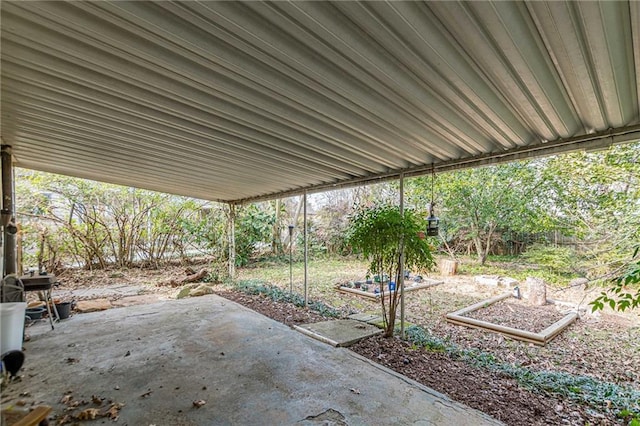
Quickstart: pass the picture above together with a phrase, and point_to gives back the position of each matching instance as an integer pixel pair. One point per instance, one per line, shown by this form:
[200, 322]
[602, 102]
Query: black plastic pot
[34, 313]
[64, 309]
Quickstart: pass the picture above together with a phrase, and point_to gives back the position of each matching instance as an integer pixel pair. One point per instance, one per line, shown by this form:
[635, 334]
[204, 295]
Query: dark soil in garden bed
[497, 395]
[518, 314]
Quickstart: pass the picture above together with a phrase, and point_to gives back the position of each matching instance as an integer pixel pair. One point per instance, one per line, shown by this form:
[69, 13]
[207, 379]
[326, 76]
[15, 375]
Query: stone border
[540, 339]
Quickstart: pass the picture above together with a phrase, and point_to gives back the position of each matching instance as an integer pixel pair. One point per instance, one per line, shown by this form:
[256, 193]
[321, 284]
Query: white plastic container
[11, 326]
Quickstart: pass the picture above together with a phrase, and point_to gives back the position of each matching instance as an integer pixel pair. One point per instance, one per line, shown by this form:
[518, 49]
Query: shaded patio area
[159, 359]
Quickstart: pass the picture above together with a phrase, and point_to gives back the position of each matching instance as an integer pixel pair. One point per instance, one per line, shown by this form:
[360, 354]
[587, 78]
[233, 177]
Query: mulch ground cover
[493, 393]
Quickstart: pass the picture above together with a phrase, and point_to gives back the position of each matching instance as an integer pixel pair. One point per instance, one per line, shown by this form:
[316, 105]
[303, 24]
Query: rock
[201, 290]
[536, 291]
[509, 282]
[93, 305]
[487, 280]
[183, 292]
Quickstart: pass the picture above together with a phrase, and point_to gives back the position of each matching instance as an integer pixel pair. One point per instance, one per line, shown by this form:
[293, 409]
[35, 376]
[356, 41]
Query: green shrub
[279, 295]
[556, 259]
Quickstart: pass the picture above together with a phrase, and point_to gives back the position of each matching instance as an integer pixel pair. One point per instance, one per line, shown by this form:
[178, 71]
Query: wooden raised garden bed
[408, 287]
[542, 338]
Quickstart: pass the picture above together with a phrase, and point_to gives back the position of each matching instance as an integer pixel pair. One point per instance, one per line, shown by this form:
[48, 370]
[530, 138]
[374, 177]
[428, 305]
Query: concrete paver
[159, 358]
[339, 332]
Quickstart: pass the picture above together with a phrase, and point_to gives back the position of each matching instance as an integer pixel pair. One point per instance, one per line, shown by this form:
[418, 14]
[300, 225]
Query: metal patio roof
[237, 101]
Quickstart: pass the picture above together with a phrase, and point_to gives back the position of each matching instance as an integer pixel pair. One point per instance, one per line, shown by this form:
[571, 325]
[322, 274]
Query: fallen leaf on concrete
[146, 394]
[72, 360]
[96, 399]
[113, 412]
[65, 399]
[21, 403]
[88, 414]
[64, 420]
[356, 391]
[199, 403]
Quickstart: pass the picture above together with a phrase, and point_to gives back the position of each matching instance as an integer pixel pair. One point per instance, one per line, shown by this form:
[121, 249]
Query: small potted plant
[364, 287]
[369, 280]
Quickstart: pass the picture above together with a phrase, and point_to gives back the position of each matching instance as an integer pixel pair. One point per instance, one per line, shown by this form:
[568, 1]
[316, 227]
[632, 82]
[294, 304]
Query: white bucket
[11, 326]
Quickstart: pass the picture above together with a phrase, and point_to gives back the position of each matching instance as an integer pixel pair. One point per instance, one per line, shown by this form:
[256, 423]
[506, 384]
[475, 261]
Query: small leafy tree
[381, 233]
[621, 295]
[254, 226]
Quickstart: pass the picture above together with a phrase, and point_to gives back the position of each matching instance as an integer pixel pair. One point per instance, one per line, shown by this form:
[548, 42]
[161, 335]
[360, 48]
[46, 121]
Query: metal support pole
[232, 241]
[306, 249]
[8, 212]
[401, 261]
[291, 259]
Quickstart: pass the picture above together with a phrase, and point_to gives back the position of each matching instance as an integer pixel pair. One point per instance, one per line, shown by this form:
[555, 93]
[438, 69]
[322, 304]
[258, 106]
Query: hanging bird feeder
[433, 222]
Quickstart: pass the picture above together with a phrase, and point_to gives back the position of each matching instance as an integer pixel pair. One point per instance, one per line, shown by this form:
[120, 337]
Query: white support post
[232, 241]
[306, 249]
[401, 261]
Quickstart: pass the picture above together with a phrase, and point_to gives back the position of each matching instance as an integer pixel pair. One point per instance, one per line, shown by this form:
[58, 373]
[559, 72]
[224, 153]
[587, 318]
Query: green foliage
[596, 197]
[74, 221]
[254, 224]
[511, 267]
[475, 204]
[381, 234]
[630, 417]
[279, 295]
[584, 389]
[620, 295]
[556, 259]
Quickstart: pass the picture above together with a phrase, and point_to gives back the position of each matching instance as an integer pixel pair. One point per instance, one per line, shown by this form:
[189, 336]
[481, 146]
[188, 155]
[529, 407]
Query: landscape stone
[201, 290]
[183, 292]
[536, 291]
[93, 305]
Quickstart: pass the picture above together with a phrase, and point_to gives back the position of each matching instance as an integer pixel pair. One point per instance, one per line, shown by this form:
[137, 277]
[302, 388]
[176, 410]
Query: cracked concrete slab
[160, 358]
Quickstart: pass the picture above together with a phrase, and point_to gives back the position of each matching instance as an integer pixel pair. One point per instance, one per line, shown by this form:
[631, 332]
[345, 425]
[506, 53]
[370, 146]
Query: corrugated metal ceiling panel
[237, 100]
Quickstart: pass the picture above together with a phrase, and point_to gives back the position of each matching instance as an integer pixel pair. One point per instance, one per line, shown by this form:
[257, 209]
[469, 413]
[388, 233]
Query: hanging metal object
[432, 225]
[433, 222]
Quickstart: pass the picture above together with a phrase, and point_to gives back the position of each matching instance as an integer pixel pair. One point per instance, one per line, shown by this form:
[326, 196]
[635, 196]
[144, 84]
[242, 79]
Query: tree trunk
[448, 267]
[482, 257]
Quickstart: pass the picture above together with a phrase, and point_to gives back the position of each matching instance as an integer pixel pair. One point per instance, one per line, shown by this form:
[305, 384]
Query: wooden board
[12, 417]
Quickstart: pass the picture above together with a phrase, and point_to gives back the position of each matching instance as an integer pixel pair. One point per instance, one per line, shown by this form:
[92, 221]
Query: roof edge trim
[595, 141]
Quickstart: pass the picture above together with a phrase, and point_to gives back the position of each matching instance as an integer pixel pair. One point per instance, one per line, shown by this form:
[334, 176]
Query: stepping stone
[339, 332]
[363, 317]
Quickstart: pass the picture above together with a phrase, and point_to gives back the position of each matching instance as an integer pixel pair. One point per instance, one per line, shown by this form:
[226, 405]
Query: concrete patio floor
[158, 359]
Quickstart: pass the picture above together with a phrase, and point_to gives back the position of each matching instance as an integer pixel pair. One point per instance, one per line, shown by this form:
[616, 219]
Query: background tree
[596, 197]
[380, 234]
[476, 203]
